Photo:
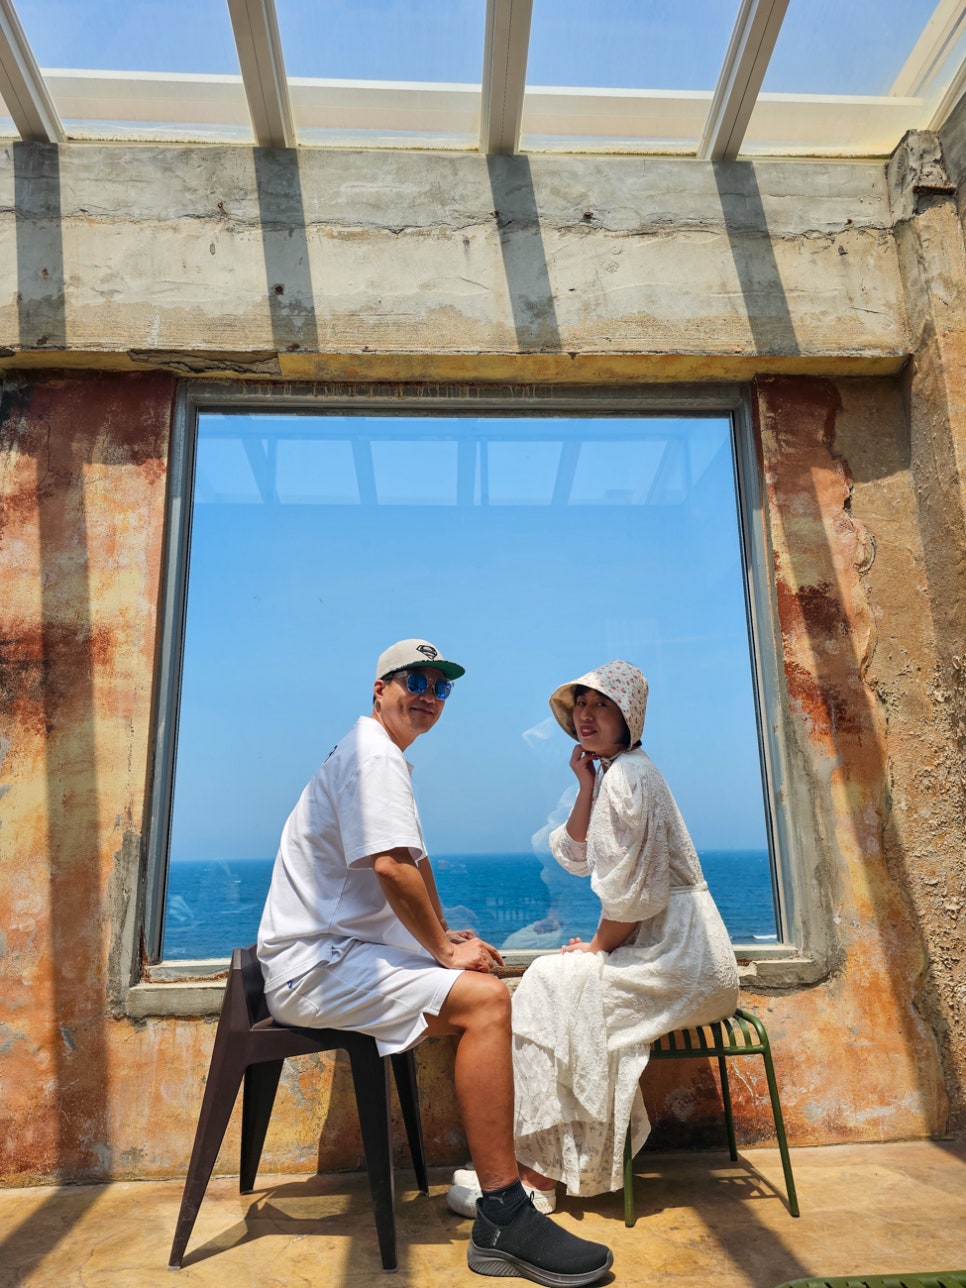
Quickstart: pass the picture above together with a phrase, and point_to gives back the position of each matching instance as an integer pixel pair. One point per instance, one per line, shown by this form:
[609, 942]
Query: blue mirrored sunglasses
[417, 682]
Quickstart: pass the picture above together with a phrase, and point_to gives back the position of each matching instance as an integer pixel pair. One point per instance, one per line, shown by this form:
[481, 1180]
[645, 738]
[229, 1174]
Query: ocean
[511, 900]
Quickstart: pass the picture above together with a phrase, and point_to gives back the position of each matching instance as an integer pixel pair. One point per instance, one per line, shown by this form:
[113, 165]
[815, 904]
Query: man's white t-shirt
[324, 893]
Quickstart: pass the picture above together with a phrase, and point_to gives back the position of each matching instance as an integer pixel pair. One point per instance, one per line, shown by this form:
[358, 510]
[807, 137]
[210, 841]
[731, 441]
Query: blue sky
[824, 47]
[291, 602]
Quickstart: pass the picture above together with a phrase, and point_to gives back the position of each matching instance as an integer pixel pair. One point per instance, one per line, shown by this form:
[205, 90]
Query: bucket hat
[619, 681]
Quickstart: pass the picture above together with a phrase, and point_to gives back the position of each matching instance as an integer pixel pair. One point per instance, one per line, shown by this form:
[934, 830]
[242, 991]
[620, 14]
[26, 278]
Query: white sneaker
[461, 1199]
[466, 1176]
[544, 1201]
[462, 1196]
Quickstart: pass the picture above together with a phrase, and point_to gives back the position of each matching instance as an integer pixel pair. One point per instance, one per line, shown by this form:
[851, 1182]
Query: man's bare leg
[477, 1010]
[480, 1014]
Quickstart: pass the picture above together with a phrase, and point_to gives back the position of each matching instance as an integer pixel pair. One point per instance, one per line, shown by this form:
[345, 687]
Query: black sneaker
[533, 1247]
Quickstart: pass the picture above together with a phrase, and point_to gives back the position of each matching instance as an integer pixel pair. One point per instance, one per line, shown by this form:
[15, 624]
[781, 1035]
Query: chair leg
[221, 1092]
[370, 1077]
[776, 1110]
[407, 1089]
[628, 1180]
[729, 1113]
[261, 1084]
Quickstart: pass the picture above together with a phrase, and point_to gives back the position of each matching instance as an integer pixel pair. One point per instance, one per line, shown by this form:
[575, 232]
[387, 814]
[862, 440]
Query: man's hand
[410, 895]
[472, 954]
[458, 936]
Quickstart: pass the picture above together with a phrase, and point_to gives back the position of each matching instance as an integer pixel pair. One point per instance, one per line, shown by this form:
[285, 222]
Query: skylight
[711, 78]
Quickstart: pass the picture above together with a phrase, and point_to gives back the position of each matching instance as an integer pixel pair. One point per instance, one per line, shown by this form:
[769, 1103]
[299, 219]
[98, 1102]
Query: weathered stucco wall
[82, 468]
[874, 1045]
[396, 267]
[932, 257]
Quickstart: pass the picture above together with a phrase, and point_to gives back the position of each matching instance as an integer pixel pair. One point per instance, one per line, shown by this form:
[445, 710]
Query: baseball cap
[412, 653]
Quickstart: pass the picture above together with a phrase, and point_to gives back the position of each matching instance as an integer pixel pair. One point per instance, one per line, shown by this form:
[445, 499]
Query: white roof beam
[930, 49]
[22, 87]
[259, 45]
[505, 49]
[745, 64]
[954, 92]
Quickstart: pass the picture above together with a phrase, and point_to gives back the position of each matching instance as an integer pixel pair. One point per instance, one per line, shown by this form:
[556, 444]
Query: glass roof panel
[386, 40]
[384, 73]
[844, 80]
[850, 80]
[623, 44]
[826, 47]
[131, 35]
[660, 61]
[139, 68]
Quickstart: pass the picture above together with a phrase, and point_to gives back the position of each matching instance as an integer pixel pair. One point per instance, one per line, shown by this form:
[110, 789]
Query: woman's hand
[608, 936]
[459, 936]
[584, 765]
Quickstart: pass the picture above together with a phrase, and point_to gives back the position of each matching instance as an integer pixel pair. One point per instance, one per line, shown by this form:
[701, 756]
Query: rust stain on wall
[78, 454]
[840, 759]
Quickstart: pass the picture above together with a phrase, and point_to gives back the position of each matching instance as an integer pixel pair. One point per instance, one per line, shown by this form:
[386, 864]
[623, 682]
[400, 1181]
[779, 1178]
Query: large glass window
[531, 549]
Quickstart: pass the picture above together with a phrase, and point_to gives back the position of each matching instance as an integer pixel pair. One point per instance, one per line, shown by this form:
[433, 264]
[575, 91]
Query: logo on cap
[427, 650]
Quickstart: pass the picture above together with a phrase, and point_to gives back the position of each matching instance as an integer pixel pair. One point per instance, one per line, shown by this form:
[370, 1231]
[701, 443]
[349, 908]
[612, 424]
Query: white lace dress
[583, 1022]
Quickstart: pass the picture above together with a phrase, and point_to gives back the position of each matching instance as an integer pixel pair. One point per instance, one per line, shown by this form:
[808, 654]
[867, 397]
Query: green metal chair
[738, 1035]
[932, 1279]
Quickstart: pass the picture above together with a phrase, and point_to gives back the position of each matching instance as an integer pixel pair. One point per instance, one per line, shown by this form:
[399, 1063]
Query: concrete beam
[308, 265]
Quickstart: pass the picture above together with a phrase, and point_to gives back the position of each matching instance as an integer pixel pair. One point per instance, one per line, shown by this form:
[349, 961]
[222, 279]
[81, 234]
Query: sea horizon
[214, 905]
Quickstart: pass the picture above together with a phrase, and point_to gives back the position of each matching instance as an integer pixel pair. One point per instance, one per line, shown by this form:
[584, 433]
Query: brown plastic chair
[740, 1034]
[249, 1045]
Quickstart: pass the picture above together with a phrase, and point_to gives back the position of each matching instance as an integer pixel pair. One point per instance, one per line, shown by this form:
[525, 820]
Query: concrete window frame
[155, 987]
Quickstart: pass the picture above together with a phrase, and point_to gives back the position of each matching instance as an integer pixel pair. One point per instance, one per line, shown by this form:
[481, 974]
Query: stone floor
[701, 1221]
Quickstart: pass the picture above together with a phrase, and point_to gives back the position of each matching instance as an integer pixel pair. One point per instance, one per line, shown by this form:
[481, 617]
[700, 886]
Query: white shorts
[373, 988]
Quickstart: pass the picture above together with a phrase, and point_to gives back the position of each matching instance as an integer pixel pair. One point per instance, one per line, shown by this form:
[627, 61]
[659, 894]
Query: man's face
[405, 715]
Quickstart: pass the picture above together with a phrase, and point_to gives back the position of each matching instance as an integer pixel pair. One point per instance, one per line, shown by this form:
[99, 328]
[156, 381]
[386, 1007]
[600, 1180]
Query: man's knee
[478, 999]
[494, 996]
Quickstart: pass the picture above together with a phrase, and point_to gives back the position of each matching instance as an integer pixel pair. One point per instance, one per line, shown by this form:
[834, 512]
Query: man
[353, 936]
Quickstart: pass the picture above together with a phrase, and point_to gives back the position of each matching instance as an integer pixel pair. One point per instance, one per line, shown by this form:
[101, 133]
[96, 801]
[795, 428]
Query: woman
[660, 959]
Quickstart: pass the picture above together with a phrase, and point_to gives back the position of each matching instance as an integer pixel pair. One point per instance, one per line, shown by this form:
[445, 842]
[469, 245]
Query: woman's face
[599, 724]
